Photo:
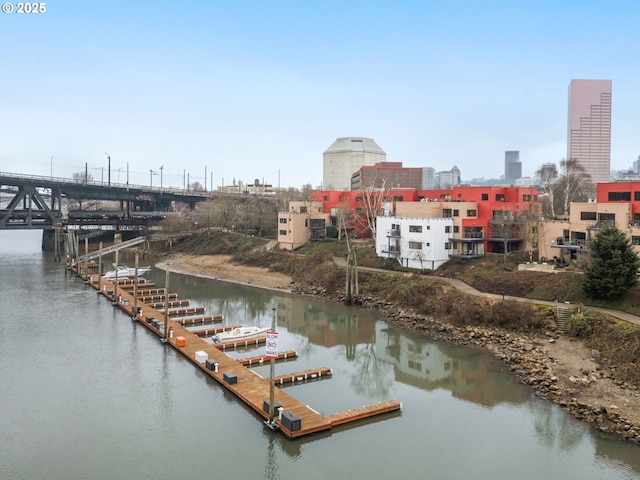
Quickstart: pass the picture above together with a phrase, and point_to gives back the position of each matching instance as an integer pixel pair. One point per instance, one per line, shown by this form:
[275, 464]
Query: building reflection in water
[468, 373]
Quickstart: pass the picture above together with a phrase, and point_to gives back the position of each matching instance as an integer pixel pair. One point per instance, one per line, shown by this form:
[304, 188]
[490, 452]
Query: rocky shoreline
[580, 393]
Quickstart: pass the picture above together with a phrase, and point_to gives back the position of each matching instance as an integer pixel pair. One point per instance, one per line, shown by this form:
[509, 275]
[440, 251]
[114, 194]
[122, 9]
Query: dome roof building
[346, 156]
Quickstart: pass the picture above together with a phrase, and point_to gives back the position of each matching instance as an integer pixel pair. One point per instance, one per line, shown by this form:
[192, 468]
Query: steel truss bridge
[28, 201]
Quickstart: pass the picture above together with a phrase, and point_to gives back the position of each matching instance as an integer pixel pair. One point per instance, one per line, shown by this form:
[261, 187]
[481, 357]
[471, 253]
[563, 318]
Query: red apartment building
[620, 192]
[495, 204]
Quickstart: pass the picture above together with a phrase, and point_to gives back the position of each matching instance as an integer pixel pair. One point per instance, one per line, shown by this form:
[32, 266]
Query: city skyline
[247, 90]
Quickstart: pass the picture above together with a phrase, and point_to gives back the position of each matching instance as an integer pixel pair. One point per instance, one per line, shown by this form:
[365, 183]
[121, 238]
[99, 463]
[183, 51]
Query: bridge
[29, 201]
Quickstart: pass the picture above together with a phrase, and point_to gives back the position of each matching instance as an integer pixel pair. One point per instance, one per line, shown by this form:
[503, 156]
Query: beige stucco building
[303, 222]
[567, 239]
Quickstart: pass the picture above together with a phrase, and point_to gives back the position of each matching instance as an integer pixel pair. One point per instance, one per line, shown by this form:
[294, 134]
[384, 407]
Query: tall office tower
[512, 166]
[346, 156]
[589, 129]
[428, 178]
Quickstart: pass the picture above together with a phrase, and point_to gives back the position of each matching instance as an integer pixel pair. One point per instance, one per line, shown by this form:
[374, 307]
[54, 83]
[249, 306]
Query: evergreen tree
[613, 265]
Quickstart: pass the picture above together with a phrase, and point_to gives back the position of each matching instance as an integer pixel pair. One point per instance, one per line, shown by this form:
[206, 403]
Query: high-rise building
[589, 127]
[512, 166]
[448, 178]
[344, 157]
[428, 178]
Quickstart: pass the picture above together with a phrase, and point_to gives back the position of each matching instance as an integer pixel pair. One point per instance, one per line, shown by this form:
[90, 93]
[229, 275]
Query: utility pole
[161, 169]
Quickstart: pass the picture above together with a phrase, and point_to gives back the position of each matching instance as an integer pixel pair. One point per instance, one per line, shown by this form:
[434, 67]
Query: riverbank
[220, 267]
[558, 368]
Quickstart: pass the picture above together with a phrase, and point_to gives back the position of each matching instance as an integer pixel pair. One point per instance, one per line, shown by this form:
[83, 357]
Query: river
[88, 394]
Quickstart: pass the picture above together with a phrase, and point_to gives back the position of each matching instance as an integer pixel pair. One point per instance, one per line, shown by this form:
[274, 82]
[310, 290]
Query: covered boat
[239, 333]
[126, 272]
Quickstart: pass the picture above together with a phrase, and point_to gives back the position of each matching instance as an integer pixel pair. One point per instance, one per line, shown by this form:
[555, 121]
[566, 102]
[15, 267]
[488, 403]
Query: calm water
[87, 394]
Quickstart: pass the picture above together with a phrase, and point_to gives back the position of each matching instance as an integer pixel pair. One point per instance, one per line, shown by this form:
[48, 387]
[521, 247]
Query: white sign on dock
[272, 345]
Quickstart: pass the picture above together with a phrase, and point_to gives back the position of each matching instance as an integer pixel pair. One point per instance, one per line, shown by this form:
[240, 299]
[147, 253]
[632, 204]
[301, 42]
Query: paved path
[469, 290]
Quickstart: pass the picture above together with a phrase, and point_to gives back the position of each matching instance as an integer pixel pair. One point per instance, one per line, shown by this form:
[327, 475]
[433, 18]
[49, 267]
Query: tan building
[565, 240]
[303, 222]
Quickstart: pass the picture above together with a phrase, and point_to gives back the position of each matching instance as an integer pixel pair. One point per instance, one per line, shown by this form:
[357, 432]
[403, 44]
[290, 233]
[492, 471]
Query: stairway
[562, 313]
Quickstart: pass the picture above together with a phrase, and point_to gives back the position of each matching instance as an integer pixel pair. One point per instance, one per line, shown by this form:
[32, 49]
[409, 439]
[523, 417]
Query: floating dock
[293, 418]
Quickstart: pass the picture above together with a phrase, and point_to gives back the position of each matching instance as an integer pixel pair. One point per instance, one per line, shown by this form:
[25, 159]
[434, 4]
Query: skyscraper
[589, 128]
[512, 166]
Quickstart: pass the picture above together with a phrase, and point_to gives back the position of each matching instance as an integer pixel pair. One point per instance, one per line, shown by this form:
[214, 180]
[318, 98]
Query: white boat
[126, 272]
[239, 333]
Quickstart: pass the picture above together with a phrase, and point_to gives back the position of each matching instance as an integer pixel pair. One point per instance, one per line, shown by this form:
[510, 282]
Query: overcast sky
[259, 89]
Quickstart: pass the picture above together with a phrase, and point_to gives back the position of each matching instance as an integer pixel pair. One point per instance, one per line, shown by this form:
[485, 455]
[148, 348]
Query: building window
[635, 240]
[636, 196]
[499, 197]
[427, 244]
[456, 229]
[535, 198]
[415, 245]
[485, 196]
[526, 198]
[447, 245]
[456, 213]
[587, 215]
[607, 217]
[447, 229]
[415, 228]
[326, 198]
[446, 213]
[283, 220]
[472, 213]
[303, 209]
[359, 199]
[619, 196]
[283, 233]
[398, 198]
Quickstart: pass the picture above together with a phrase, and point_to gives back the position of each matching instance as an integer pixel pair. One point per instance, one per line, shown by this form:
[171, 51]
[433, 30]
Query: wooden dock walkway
[295, 420]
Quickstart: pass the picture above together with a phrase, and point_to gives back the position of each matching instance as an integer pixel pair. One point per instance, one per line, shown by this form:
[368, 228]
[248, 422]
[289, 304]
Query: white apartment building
[421, 243]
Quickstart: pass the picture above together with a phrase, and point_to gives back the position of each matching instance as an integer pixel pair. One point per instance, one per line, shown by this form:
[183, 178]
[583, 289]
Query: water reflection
[378, 354]
[469, 374]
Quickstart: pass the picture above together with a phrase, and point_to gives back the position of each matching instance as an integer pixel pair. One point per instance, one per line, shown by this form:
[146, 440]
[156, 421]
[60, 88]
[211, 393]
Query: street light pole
[109, 167]
[161, 169]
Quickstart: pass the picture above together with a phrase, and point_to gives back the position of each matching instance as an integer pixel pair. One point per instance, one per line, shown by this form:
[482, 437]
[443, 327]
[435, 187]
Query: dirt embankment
[221, 267]
[557, 368]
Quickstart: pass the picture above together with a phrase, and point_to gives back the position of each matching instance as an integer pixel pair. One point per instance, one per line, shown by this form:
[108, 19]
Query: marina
[288, 415]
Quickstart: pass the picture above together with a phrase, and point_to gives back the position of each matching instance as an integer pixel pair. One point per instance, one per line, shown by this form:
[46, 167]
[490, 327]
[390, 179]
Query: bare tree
[573, 185]
[78, 202]
[529, 221]
[370, 205]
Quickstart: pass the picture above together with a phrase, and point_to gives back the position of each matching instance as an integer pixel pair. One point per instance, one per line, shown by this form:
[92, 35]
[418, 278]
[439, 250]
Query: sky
[221, 91]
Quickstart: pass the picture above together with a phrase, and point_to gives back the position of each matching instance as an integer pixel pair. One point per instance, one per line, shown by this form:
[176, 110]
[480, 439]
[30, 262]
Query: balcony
[393, 233]
[391, 250]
